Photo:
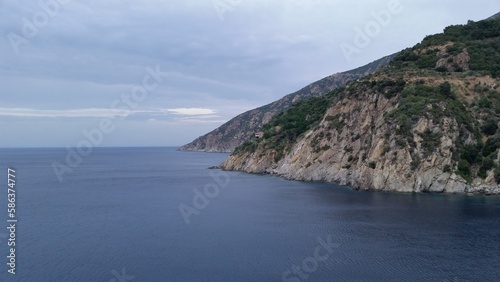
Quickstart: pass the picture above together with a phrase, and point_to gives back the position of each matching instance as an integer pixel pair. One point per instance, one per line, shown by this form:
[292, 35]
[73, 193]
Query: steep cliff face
[422, 124]
[366, 152]
[233, 133]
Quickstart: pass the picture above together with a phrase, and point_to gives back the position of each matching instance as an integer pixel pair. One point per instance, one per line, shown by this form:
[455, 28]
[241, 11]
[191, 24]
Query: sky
[161, 73]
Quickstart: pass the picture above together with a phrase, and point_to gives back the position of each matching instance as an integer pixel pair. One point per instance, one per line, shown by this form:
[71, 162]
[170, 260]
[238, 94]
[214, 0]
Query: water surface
[118, 213]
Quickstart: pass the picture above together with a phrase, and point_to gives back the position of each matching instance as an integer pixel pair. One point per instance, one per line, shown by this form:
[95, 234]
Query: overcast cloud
[67, 66]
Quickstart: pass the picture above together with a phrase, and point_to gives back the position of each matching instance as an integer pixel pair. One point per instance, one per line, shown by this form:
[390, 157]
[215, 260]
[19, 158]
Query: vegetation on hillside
[285, 128]
[481, 40]
[430, 80]
[478, 120]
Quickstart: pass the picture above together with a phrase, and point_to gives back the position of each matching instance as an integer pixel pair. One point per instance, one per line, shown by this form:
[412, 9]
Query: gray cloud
[89, 53]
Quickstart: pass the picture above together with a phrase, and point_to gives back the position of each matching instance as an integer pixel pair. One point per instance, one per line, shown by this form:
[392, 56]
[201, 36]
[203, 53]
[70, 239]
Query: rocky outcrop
[233, 133]
[364, 154]
[452, 62]
[427, 122]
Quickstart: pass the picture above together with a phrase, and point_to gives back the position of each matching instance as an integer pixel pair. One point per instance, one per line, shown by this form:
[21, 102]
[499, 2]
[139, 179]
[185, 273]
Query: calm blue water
[116, 217]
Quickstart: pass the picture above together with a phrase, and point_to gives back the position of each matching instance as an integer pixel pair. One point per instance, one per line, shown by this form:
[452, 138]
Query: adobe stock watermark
[201, 200]
[30, 27]
[94, 137]
[364, 36]
[223, 6]
[311, 263]
[121, 277]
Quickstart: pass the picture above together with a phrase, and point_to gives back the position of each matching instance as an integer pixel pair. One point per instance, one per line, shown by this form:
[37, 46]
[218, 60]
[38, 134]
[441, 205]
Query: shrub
[491, 145]
[372, 164]
[483, 102]
[464, 167]
[453, 49]
[430, 140]
[471, 153]
[445, 89]
[427, 61]
[247, 147]
[400, 142]
[401, 82]
[488, 164]
[387, 148]
[490, 126]
[441, 69]
[447, 168]
[415, 162]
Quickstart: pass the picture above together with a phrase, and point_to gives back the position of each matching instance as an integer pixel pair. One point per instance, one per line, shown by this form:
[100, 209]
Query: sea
[158, 214]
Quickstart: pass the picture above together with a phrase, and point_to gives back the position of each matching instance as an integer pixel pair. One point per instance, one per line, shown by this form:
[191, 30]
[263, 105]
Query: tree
[445, 89]
[464, 167]
[490, 126]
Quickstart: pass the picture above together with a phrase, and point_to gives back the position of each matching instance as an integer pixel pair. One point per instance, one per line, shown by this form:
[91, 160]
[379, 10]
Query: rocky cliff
[233, 133]
[428, 122]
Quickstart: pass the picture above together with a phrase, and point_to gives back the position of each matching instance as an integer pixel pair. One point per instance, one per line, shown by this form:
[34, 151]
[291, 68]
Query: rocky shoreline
[364, 154]
[370, 181]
